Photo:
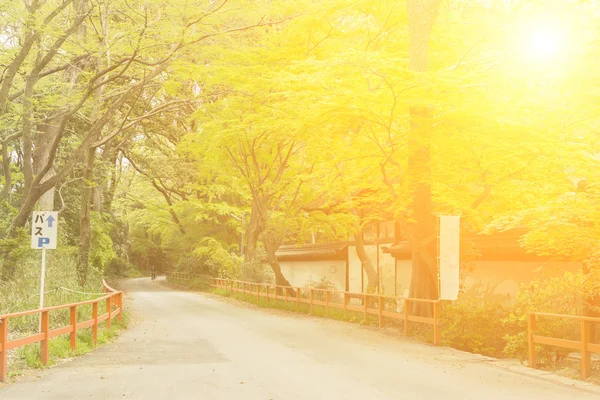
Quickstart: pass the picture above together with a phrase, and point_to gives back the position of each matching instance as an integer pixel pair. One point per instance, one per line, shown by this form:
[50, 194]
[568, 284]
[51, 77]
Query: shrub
[214, 258]
[474, 325]
[567, 294]
[323, 284]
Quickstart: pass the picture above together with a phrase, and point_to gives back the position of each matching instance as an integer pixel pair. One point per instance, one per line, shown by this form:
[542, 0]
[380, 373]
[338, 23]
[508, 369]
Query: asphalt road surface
[192, 346]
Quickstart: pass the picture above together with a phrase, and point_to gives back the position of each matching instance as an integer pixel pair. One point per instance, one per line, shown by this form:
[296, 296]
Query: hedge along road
[185, 345]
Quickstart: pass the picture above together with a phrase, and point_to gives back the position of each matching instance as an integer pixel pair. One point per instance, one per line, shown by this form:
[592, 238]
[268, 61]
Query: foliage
[323, 284]
[213, 259]
[102, 247]
[475, 325]
[22, 292]
[568, 294]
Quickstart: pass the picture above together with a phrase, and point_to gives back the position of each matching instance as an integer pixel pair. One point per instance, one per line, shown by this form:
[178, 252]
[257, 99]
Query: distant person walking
[153, 272]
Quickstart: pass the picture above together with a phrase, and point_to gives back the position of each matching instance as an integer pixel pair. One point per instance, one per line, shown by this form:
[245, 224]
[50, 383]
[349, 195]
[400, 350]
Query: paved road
[187, 345]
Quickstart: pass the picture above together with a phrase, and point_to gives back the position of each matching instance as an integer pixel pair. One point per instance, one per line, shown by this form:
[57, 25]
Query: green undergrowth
[194, 284]
[302, 308]
[59, 348]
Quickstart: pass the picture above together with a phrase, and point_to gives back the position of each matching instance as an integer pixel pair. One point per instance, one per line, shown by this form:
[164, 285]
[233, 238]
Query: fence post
[73, 321]
[267, 290]
[286, 294]
[4, 351]
[365, 306]
[108, 310]
[327, 303]
[120, 301]
[381, 305]
[406, 305]
[437, 339]
[46, 339]
[297, 299]
[531, 344]
[586, 358]
[312, 297]
[95, 326]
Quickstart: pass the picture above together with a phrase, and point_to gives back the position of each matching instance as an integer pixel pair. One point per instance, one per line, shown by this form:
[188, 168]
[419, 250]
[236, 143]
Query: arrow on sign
[50, 221]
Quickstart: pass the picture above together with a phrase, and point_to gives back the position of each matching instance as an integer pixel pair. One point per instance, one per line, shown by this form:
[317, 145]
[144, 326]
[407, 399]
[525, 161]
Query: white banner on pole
[449, 257]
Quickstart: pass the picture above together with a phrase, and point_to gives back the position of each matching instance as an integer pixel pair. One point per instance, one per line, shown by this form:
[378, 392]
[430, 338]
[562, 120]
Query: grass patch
[59, 348]
[302, 308]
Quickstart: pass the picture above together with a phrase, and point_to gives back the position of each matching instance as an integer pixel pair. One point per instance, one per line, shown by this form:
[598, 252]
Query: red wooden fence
[113, 302]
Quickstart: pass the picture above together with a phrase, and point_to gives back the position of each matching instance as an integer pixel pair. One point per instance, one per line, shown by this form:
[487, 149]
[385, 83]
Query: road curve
[185, 345]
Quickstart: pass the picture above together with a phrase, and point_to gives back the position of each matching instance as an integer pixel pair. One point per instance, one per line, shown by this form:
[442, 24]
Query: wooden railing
[371, 303]
[113, 302]
[186, 277]
[584, 345]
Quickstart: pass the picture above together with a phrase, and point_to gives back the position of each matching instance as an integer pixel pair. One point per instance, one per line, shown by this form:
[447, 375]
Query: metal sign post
[43, 278]
[44, 234]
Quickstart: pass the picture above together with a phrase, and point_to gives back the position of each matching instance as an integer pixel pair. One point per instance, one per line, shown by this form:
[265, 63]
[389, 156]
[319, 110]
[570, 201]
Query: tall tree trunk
[367, 264]
[271, 245]
[43, 143]
[421, 16]
[107, 194]
[85, 228]
[26, 138]
[255, 228]
[5, 154]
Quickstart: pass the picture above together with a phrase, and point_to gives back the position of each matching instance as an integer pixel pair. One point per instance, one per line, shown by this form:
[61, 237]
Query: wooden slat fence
[113, 303]
[585, 345]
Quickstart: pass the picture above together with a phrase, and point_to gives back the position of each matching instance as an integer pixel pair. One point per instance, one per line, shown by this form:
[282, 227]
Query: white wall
[496, 279]
[300, 273]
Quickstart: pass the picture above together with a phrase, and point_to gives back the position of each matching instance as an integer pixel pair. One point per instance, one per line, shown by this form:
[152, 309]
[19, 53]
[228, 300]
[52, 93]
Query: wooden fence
[113, 302]
[185, 277]
[370, 303]
[584, 345]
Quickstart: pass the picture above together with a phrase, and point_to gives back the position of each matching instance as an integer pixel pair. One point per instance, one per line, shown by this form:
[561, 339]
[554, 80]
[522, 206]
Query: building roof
[498, 246]
[313, 252]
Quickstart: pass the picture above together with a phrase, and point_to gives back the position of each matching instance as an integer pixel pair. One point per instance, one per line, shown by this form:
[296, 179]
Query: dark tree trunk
[421, 16]
[423, 283]
[6, 190]
[255, 228]
[108, 192]
[43, 144]
[85, 228]
[272, 245]
[367, 265]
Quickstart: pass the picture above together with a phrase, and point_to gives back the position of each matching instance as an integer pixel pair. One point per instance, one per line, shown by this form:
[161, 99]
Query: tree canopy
[166, 130]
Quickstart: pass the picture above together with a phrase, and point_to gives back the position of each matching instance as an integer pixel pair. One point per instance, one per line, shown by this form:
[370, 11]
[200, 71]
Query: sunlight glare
[545, 43]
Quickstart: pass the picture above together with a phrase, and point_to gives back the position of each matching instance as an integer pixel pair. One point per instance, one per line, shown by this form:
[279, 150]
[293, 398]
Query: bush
[323, 284]
[567, 294]
[120, 268]
[215, 259]
[474, 325]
